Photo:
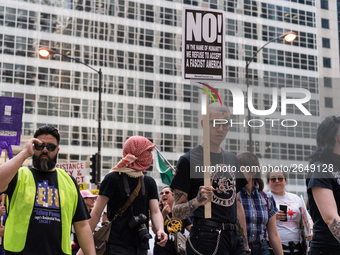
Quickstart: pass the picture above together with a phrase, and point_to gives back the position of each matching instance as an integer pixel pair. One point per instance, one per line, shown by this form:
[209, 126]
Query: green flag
[165, 171]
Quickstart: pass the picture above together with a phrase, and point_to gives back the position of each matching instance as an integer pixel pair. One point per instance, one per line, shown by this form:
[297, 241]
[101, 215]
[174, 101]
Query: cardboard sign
[305, 217]
[77, 170]
[82, 186]
[95, 192]
[203, 44]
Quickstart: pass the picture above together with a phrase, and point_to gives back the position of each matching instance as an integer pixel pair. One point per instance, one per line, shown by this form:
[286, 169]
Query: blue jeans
[259, 248]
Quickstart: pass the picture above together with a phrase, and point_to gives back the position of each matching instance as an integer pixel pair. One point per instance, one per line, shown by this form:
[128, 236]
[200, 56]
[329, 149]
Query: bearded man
[42, 201]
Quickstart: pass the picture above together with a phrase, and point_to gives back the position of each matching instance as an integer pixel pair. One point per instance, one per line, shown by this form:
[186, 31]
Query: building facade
[137, 45]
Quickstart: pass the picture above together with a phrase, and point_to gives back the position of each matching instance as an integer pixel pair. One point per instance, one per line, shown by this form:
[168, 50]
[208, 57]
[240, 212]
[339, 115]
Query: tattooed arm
[183, 208]
[241, 222]
[324, 199]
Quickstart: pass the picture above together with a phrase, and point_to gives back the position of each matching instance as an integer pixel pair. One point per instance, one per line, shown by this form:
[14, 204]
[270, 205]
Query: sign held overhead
[203, 44]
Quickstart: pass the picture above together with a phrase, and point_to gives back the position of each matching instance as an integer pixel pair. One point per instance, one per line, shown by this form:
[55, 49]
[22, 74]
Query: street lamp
[44, 52]
[288, 37]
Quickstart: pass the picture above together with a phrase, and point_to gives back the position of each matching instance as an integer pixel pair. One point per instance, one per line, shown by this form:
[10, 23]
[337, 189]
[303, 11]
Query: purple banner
[11, 109]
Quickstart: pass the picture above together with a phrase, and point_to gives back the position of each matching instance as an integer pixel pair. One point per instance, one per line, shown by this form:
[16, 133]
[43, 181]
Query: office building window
[326, 43]
[328, 102]
[327, 62]
[325, 23]
[324, 4]
[327, 82]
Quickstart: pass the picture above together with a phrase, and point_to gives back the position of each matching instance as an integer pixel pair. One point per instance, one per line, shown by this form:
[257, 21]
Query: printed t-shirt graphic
[47, 198]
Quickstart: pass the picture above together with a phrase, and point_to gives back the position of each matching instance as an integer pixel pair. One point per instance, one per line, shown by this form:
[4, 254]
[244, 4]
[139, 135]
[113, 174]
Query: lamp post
[288, 37]
[44, 52]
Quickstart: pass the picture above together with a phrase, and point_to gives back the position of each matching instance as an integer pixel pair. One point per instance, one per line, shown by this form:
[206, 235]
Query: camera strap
[134, 194]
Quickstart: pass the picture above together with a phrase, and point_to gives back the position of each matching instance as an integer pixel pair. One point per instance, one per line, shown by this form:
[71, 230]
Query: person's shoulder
[150, 182]
[67, 174]
[320, 176]
[194, 151]
[319, 169]
[268, 194]
[113, 176]
[230, 155]
[25, 169]
[149, 179]
[293, 196]
[73, 179]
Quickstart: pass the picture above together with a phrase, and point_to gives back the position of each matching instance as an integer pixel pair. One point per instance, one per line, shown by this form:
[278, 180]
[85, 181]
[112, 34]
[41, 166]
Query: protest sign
[203, 44]
[77, 170]
[95, 192]
[11, 109]
[82, 186]
[305, 217]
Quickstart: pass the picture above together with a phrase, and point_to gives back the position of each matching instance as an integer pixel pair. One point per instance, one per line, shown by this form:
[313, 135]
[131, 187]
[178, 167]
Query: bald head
[219, 108]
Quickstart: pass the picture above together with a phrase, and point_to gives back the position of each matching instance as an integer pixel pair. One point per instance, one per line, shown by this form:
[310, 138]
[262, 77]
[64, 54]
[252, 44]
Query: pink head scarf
[133, 154]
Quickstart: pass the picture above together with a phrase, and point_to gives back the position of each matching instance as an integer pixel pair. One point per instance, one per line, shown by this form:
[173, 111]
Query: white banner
[77, 170]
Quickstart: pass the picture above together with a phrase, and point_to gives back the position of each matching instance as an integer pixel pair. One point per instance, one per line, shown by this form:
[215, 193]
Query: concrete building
[137, 44]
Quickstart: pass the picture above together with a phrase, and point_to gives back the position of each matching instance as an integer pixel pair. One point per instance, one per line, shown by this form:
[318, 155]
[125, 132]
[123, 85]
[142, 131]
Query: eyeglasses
[92, 198]
[225, 126]
[279, 178]
[167, 192]
[49, 147]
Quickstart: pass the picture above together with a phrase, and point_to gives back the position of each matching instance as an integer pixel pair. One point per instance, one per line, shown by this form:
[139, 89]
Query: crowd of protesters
[43, 202]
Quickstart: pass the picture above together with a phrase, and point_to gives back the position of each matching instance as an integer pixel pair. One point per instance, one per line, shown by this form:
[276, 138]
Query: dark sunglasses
[280, 179]
[92, 198]
[167, 192]
[49, 147]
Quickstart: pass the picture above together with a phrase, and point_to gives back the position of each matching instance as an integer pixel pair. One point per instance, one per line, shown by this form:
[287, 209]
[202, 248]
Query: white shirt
[289, 230]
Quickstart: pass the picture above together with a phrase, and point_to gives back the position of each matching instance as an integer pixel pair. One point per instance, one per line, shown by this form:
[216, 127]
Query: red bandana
[133, 153]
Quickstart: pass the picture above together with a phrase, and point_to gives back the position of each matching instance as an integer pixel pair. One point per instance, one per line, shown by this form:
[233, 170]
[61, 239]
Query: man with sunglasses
[221, 233]
[43, 201]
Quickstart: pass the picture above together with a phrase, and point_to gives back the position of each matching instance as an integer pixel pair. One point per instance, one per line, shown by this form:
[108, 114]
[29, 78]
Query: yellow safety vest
[21, 206]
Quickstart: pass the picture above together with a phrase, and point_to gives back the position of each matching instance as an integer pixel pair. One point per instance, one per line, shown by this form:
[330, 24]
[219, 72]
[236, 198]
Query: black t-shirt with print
[226, 184]
[113, 187]
[170, 230]
[330, 179]
[44, 232]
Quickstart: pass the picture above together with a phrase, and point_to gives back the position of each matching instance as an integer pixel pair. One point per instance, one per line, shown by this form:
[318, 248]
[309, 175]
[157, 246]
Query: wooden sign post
[203, 38]
[206, 148]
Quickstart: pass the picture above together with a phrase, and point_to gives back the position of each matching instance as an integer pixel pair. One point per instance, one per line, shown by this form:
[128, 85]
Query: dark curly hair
[47, 130]
[325, 138]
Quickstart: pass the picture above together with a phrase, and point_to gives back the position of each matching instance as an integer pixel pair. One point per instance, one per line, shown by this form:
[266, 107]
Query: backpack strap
[132, 197]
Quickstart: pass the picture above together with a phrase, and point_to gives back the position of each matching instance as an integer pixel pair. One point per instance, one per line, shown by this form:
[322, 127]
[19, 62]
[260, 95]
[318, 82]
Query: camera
[143, 232]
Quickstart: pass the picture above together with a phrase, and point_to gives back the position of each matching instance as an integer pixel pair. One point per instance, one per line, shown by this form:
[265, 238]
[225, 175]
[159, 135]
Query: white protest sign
[77, 170]
[305, 217]
[203, 44]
